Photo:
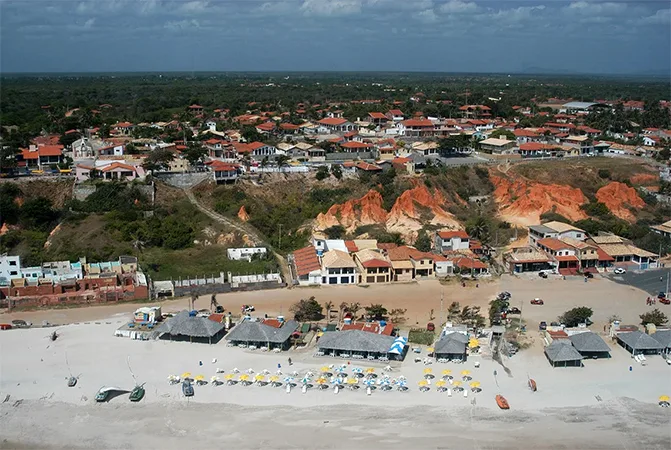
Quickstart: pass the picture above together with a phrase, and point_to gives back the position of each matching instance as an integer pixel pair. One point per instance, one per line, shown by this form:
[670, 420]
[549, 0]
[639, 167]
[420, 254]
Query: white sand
[33, 370]
[564, 413]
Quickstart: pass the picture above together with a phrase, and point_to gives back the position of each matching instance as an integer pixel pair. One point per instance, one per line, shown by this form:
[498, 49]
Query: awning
[398, 345]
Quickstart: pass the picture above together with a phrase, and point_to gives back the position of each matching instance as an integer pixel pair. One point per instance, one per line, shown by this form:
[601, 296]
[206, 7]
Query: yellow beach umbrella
[447, 372]
[475, 384]
[321, 380]
[440, 383]
[473, 343]
[200, 377]
[465, 372]
[370, 370]
[186, 375]
[430, 350]
[352, 381]
[274, 379]
[260, 377]
[324, 369]
[664, 398]
[244, 377]
[423, 383]
[428, 371]
[457, 383]
[229, 377]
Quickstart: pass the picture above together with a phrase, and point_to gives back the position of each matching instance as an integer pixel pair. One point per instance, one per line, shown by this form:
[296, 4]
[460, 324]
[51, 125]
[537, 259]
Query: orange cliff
[412, 210]
[406, 216]
[522, 202]
[242, 214]
[620, 199]
[367, 210]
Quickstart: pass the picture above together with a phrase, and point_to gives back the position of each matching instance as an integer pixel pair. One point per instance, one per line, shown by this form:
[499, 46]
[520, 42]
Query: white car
[619, 271]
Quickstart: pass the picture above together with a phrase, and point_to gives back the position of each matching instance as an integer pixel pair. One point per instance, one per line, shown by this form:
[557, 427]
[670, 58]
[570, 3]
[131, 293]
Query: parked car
[514, 311]
[430, 326]
[18, 323]
[619, 271]
[248, 308]
[661, 294]
[589, 275]
[665, 301]
[537, 301]
[543, 274]
[543, 326]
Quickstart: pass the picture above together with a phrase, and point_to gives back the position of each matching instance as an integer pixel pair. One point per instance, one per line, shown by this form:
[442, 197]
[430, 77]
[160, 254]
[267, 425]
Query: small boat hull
[502, 402]
[137, 394]
[532, 384]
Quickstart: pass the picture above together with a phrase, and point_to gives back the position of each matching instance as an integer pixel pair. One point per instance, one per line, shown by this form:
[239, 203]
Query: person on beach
[289, 360]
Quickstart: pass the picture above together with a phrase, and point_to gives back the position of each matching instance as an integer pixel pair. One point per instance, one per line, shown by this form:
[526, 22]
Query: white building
[10, 267]
[238, 254]
[452, 240]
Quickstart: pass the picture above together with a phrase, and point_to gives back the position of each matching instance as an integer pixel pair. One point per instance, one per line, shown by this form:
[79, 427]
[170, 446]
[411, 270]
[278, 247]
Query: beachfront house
[306, 267]
[338, 268]
[590, 345]
[561, 353]
[270, 334]
[373, 267]
[638, 343]
[452, 240]
[451, 346]
[186, 325]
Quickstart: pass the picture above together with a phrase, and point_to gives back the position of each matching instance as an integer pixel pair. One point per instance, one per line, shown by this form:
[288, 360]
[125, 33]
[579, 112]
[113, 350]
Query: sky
[615, 37]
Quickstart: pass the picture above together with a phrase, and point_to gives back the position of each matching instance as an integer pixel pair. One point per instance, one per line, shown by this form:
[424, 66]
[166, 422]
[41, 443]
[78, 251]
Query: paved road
[647, 281]
[242, 228]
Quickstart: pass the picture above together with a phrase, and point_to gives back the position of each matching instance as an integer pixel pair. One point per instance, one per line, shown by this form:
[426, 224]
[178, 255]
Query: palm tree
[328, 306]
[479, 229]
[353, 308]
[282, 161]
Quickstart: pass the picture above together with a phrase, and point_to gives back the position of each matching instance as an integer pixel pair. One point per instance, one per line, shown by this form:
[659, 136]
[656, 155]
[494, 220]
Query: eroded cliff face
[620, 199]
[415, 208]
[366, 210]
[521, 202]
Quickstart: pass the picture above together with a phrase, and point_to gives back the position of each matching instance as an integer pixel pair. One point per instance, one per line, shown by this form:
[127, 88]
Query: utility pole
[442, 291]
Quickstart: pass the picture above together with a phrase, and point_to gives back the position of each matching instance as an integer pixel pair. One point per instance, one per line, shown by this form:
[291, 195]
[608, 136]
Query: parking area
[650, 281]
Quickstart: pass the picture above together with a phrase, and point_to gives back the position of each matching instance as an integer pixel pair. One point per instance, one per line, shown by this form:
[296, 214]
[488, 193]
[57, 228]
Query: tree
[353, 308]
[322, 173]
[478, 229]
[307, 310]
[328, 306]
[38, 213]
[336, 171]
[104, 131]
[9, 209]
[423, 242]
[158, 160]
[471, 317]
[282, 161]
[335, 232]
[453, 312]
[576, 316]
[503, 134]
[655, 317]
[376, 311]
[397, 315]
[194, 153]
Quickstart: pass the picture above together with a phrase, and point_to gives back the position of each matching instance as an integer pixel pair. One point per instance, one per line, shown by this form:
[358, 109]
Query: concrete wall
[184, 180]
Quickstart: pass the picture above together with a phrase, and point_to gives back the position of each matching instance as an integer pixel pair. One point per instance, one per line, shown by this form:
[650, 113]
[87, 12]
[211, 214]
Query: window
[12, 263]
[13, 272]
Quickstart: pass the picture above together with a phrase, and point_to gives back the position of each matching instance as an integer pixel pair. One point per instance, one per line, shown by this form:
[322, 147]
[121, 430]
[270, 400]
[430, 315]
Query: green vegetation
[421, 336]
[655, 317]
[307, 310]
[376, 312]
[575, 316]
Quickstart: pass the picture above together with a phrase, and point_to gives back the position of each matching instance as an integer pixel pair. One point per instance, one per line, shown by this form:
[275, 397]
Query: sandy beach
[602, 405]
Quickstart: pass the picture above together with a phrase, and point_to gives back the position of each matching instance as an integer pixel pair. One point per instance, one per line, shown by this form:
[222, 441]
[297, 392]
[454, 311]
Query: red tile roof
[386, 245]
[351, 246]
[536, 146]
[553, 244]
[418, 123]
[469, 263]
[220, 166]
[368, 167]
[272, 323]
[405, 253]
[566, 258]
[453, 234]
[396, 112]
[355, 144]
[268, 126]
[219, 318]
[603, 256]
[371, 263]
[377, 115]
[118, 165]
[306, 260]
[333, 121]
[370, 327]
[525, 133]
[288, 126]
[194, 106]
[123, 125]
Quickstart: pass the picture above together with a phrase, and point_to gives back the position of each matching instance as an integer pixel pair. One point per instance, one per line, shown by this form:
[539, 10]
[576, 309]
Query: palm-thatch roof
[248, 331]
[355, 341]
[562, 351]
[193, 326]
[589, 342]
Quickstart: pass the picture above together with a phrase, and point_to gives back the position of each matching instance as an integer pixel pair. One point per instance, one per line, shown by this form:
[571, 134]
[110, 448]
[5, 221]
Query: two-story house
[416, 128]
[373, 266]
[223, 172]
[335, 124]
[563, 254]
[396, 115]
[408, 263]
[338, 268]
[452, 240]
[554, 229]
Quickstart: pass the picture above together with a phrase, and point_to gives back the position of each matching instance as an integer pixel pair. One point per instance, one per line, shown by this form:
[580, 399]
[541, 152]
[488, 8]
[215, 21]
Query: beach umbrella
[457, 383]
[664, 398]
[229, 377]
[325, 369]
[200, 378]
[430, 350]
[370, 370]
[427, 371]
[475, 384]
[305, 380]
[465, 373]
[265, 372]
[250, 371]
[274, 379]
[259, 378]
[244, 378]
[473, 343]
[215, 380]
[440, 384]
[289, 380]
[352, 381]
[321, 380]
[447, 372]
[186, 375]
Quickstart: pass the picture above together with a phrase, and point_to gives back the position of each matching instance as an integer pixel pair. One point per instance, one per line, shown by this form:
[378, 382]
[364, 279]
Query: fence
[225, 284]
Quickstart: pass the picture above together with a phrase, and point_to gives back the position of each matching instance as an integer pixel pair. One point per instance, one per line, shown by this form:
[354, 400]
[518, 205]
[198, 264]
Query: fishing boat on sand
[137, 393]
[502, 402]
[532, 384]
